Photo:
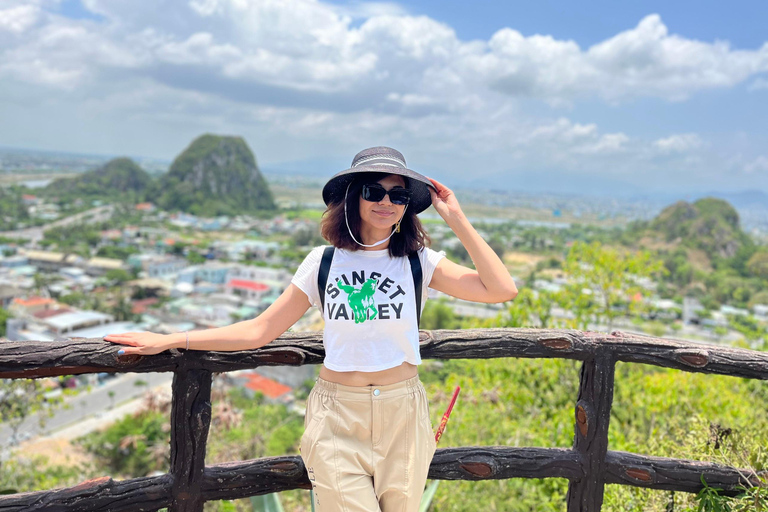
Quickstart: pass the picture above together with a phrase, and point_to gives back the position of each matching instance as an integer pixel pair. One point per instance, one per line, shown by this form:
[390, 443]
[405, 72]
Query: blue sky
[609, 97]
[740, 22]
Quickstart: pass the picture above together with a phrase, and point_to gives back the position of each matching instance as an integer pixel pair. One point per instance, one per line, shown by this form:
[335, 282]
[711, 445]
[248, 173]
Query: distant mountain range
[214, 175]
[533, 183]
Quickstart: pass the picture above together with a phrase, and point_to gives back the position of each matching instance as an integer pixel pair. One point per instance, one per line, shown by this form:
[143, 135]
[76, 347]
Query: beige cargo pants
[367, 448]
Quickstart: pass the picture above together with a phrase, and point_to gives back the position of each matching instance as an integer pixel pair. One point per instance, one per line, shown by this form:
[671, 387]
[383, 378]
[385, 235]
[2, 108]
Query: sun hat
[380, 159]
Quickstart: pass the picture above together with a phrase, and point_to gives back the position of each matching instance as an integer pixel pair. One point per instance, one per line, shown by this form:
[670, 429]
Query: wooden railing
[588, 465]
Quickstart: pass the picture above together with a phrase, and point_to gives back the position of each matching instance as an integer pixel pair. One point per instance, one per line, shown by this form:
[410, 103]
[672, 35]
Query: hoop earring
[397, 228]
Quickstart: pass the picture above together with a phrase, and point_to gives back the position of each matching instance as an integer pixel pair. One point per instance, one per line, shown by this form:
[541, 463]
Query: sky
[562, 96]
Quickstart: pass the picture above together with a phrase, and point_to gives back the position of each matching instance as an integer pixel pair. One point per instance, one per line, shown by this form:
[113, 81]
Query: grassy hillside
[120, 179]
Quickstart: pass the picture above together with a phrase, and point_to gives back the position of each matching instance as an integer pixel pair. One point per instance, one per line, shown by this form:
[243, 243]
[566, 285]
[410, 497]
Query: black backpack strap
[322, 274]
[417, 279]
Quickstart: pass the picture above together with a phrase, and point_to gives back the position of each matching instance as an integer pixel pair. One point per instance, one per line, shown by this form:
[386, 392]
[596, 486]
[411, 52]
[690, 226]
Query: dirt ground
[521, 263]
[60, 452]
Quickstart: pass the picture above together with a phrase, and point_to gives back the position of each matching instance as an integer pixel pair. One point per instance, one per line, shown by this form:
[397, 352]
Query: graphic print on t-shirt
[360, 300]
[360, 304]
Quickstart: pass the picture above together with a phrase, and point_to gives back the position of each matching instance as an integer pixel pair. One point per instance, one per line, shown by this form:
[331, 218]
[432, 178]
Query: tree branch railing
[588, 465]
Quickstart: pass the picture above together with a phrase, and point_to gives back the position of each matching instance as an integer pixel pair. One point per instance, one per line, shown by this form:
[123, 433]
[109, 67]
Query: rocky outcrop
[709, 224]
[215, 175]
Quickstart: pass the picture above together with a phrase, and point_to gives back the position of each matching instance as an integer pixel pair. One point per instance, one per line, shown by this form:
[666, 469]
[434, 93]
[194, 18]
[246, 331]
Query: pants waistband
[333, 389]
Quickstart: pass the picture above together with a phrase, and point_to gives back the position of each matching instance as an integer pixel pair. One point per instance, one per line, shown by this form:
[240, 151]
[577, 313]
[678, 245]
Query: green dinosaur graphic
[360, 300]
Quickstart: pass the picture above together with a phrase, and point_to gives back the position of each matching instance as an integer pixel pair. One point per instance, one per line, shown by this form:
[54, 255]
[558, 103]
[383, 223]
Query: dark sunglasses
[374, 192]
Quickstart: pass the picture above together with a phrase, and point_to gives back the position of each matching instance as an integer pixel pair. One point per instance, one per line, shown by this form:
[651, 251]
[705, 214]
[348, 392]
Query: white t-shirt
[370, 307]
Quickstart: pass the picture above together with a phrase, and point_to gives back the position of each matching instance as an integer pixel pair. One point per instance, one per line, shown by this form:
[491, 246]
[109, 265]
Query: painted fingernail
[120, 352]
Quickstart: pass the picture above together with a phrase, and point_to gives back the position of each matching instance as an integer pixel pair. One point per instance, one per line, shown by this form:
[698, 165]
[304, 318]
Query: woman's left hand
[444, 201]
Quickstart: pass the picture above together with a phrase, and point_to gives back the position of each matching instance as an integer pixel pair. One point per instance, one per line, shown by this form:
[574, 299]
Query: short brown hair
[333, 226]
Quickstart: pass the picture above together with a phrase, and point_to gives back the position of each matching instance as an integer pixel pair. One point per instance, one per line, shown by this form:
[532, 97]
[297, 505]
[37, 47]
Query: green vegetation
[693, 249]
[707, 254]
[438, 315]
[709, 224]
[20, 399]
[133, 446]
[4, 316]
[76, 238]
[614, 274]
[117, 253]
[530, 403]
[213, 176]
[22, 474]
[12, 208]
[119, 180]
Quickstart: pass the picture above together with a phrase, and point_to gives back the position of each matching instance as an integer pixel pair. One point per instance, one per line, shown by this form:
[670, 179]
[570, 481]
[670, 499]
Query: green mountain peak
[215, 175]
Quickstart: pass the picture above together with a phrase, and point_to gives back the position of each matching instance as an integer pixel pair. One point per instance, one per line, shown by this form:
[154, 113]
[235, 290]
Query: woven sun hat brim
[334, 190]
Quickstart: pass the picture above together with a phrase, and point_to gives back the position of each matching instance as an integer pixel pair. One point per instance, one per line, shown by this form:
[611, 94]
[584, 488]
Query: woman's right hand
[141, 343]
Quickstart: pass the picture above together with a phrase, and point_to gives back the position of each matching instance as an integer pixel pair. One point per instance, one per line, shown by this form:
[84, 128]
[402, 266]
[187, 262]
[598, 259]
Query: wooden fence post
[190, 420]
[593, 413]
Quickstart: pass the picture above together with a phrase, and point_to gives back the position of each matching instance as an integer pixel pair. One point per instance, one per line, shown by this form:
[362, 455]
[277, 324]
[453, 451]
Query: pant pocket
[424, 405]
[317, 408]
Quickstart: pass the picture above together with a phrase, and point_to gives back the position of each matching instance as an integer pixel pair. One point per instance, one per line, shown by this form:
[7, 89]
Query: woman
[368, 440]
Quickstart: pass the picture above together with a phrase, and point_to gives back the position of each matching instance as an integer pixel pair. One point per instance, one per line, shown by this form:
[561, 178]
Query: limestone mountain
[120, 178]
[709, 224]
[214, 175]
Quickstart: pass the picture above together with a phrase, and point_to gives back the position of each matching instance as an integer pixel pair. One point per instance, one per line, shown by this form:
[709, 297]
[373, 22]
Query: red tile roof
[140, 306]
[269, 387]
[249, 285]
[33, 301]
[47, 313]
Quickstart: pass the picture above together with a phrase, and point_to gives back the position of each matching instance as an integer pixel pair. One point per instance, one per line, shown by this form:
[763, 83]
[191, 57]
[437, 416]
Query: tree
[753, 331]
[610, 276]
[122, 310]
[42, 283]
[20, 398]
[306, 236]
[118, 275]
[438, 315]
[758, 264]
[195, 258]
[530, 309]
[4, 316]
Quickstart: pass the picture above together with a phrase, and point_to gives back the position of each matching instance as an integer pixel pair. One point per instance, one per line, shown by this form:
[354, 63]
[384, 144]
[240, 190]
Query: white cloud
[370, 9]
[306, 70]
[199, 48]
[607, 144]
[678, 143]
[310, 45]
[758, 165]
[18, 19]
[644, 61]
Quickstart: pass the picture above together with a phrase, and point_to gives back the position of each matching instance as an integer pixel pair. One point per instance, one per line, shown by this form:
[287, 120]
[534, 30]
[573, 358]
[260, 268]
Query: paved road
[35, 234]
[87, 404]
